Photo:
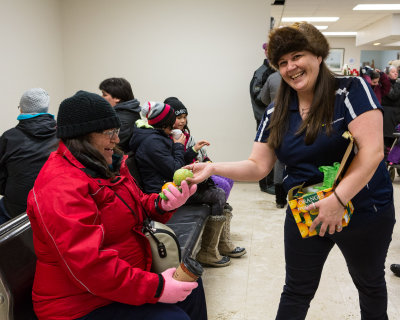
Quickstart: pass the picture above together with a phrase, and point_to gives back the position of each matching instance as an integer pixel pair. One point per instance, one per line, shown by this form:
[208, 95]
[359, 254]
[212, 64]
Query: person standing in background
[118, 92]
[391, 105]
[23, 151]
[260, 76]
[268, 93]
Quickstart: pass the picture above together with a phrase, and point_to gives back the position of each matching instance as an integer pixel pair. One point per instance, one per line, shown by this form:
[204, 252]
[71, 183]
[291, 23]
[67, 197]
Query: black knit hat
[83, 113]
[177, 105]
[300, 36]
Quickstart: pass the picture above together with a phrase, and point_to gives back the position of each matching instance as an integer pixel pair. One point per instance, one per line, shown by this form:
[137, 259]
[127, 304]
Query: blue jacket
[157, 157]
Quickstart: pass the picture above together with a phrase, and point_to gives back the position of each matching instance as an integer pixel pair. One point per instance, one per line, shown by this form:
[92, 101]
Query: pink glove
[174, 290]
[175, 197]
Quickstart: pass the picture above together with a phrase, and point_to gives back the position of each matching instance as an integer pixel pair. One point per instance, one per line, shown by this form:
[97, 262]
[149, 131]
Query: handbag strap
[346, 135]
[146, 223]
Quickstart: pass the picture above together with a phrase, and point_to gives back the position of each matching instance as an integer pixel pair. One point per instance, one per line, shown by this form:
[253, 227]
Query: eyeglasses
[111, 133]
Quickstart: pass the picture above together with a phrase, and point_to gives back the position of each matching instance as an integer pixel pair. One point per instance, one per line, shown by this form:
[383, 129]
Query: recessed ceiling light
[310, 19]
[321, 27]
[377, 43]
[393, 6]
[343, 34]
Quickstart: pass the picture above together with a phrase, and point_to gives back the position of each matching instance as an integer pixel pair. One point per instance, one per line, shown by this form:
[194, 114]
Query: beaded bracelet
[340, 201]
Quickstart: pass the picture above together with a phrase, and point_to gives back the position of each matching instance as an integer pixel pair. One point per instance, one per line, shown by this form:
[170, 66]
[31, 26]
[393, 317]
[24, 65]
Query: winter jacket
[391, 108]
[260, 76]
[392, 99]
[128, 112]
[90, 247]
[157, 157]
[23, 151]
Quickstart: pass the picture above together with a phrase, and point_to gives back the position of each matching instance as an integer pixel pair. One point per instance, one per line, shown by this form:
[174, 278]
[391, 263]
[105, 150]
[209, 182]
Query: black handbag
[165, 248]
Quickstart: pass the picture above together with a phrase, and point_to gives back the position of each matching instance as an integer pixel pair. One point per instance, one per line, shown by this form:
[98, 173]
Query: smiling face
[180, 121]
[300, 70]
[105, 142]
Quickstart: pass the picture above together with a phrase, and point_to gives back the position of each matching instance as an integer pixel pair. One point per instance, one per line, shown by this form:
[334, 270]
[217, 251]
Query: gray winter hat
[34, 100]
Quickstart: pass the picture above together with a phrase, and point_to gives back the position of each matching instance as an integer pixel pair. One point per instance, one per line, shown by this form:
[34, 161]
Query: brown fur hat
[300, 36]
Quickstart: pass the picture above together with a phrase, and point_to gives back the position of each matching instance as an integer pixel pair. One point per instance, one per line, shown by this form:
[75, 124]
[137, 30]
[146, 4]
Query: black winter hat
[177, 105]
[83, 113]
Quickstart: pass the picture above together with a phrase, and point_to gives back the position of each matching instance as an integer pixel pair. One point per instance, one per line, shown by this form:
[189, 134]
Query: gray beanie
[35, 100]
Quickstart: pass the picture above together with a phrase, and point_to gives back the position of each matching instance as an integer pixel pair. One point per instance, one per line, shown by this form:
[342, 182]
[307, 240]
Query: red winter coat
[90, 248]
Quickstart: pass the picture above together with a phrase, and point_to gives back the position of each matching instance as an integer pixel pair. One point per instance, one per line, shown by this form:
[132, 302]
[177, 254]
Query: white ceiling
[349, 20]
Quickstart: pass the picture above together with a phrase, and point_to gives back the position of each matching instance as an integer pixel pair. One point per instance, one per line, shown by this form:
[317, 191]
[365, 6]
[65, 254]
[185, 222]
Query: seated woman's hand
[177, 198]
[174, 290]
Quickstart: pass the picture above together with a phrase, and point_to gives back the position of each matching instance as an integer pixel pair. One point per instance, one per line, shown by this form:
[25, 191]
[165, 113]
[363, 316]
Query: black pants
[192, 308]
[364, 247]
[210, 194]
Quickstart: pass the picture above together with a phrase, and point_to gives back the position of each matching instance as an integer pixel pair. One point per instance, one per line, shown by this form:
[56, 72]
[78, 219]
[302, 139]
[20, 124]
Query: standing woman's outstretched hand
[201, 171]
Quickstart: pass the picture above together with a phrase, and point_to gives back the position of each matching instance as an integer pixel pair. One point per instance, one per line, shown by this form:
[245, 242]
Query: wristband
[340, 201]
[194, 150]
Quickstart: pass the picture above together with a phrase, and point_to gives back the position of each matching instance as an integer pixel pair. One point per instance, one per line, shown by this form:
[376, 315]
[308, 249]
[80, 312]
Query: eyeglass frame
[111, 133]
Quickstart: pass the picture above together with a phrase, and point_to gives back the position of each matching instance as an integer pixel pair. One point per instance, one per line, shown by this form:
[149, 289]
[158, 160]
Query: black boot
[280, 196]
[267, 183]
[395, 269]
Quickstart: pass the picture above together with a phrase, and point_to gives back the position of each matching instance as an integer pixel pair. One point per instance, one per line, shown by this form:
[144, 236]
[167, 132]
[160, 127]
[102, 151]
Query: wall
[31, 54]
[351, 52]
[203, 51]
[354, 56]
[381, 58]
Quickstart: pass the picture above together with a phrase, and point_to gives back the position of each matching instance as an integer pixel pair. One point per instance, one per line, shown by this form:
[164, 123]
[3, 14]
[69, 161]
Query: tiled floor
[250, 288]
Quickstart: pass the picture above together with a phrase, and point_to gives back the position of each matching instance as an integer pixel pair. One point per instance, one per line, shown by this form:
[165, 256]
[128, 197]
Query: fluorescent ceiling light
[377, 43]
[321, 27]
[377, 7]
[343, 34]
[310, 19]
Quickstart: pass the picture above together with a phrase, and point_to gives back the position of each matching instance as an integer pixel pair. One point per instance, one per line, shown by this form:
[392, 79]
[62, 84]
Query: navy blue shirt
[353, 97]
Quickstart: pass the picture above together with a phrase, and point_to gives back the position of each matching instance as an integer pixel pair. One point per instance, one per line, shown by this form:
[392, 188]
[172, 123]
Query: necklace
[304, 111]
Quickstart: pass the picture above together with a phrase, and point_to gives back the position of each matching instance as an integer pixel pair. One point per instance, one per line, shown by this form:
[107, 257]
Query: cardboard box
[300, 197]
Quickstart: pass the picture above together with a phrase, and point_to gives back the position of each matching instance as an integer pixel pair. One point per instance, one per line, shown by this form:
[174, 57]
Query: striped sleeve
[263, 131]
[358, 98]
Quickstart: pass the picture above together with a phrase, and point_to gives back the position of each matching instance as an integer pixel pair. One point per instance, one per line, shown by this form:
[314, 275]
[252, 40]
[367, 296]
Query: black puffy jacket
[23, 151]
[157, 157]
[128, 112]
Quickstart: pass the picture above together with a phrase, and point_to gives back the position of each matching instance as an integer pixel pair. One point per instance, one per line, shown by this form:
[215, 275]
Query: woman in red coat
[93, 261]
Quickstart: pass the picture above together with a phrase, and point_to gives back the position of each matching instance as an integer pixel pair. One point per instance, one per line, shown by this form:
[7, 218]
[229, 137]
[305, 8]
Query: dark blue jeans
[193, 308]
[364, 247]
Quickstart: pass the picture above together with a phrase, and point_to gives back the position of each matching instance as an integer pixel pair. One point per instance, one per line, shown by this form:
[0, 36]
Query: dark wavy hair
[89, 156]
[321, 110]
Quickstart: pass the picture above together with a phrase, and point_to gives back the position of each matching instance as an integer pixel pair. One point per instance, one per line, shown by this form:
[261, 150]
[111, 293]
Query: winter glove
[174, 290]
[175, 197]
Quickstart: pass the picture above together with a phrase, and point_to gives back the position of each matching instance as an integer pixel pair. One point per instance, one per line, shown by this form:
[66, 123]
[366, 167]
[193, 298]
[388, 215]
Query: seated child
[157, 156]
[215, 191]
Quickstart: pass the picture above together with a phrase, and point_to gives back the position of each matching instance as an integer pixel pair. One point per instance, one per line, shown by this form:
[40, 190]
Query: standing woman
[86, 212]
[303, 129]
